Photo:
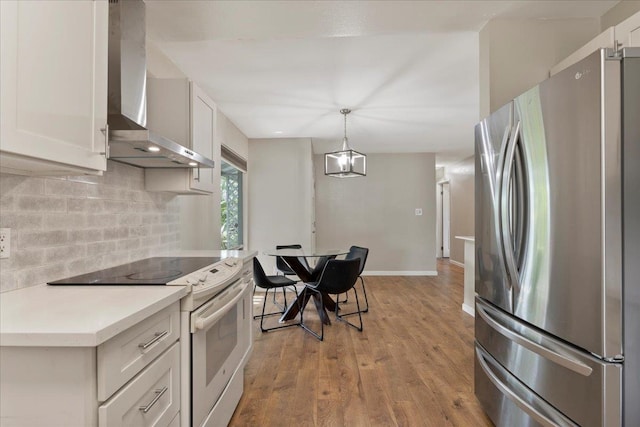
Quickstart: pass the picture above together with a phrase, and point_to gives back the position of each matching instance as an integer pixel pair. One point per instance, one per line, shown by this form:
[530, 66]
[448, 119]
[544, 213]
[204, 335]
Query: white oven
[216, 339]
[219, 341]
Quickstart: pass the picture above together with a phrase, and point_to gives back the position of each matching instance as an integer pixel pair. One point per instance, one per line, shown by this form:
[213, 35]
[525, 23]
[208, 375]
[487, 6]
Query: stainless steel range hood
[129, 140]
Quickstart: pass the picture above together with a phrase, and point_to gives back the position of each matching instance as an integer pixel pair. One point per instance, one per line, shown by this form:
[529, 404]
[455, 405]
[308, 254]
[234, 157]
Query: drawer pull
[157, 337]
[159, 394]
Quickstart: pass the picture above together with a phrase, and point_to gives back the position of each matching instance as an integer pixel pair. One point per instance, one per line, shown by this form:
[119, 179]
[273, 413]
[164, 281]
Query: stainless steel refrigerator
[557, 279]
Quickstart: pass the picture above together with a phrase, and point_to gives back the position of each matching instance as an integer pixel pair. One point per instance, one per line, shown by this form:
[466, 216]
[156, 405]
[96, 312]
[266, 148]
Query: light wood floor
[411, 366]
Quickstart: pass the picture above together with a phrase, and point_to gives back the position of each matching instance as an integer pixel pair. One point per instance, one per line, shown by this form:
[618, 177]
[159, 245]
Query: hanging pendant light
[346, 163]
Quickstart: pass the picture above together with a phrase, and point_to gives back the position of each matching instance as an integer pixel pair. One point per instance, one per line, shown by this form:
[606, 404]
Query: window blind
[234, 158]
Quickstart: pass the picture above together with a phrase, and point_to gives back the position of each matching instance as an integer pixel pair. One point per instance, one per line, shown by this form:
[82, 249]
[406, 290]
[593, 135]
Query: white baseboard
[459, 264]
[469, 310]
[400, 273]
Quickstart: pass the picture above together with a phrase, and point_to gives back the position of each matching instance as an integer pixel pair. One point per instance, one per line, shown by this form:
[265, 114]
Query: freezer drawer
[507, 401]
[584, 388]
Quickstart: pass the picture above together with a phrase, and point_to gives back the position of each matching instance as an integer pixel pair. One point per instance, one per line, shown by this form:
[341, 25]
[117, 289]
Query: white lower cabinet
[132, 379]
[126, 354]
[151, 399]
[48, 386]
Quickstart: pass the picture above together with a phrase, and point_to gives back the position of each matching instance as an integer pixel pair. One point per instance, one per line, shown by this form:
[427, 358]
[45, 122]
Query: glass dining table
[294, 259]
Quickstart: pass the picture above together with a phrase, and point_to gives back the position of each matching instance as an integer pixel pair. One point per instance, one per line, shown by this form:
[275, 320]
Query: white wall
[200, 214]
[200, 221]
[159, 65]
[281, 195]
[231, 137]
[378, 212]
[516, 54]
[461, 177]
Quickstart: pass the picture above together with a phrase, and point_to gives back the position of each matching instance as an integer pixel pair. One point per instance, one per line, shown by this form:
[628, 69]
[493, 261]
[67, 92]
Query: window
[231, 206]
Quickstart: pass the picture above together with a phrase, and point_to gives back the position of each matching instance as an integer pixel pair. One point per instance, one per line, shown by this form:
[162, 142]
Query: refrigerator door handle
[506, 140]
[505, 211]
[519, 394]
[520, 206]
[560, 359]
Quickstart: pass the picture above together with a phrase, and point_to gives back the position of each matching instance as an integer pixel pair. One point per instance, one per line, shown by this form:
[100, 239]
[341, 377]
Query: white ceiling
[407, 69]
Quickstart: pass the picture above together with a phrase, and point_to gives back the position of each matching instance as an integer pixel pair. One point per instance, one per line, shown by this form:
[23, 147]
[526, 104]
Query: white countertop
[78, 316]
[467, 238]
[85, 316]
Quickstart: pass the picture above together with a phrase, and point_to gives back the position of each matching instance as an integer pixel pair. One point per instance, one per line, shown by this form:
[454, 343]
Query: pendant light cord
[345, 141]
[345, 125]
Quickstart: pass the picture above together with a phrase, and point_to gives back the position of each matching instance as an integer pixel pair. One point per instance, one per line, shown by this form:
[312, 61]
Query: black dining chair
[283, 267]
[358, 252]
[261, 280]
[338, 277]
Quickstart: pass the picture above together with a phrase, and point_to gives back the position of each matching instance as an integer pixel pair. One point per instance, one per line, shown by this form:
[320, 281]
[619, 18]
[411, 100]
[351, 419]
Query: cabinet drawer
[156, 390]
[126, 354]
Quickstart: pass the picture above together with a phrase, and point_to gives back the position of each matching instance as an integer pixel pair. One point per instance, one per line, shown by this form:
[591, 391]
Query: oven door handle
[205, 322]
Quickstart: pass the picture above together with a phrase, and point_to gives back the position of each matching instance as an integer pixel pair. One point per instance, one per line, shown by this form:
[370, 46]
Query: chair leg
[264, 303]
[319, 336]
[275, 301]
[366, 300]
[341, 317]
[284, 297]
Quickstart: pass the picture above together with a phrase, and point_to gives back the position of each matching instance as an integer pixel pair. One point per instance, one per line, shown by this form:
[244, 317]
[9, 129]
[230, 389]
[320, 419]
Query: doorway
[443, 218]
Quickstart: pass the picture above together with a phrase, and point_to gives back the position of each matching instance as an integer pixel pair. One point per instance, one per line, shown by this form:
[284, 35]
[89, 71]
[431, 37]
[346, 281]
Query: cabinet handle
[159, 394]
[105, 131]
[157, 337]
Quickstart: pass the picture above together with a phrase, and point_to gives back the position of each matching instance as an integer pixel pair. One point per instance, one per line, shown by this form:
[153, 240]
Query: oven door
[218, 344]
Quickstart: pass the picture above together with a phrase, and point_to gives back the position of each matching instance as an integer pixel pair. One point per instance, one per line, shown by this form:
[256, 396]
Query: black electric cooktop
[150, 271]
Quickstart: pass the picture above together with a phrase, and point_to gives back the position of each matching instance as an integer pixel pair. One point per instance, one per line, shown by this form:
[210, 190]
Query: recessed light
[193, 164]
[278, 132]
[154, 148]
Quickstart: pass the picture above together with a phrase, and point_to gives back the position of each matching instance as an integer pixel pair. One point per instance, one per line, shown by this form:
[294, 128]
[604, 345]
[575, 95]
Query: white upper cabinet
[203, 136]
[54, 87]
[626, 34]
[604, 39]
[628, 31]
[179, 110]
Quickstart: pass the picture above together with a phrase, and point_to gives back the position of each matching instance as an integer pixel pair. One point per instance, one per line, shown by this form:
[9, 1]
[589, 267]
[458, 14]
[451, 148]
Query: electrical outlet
[5, 242]
[418, 212]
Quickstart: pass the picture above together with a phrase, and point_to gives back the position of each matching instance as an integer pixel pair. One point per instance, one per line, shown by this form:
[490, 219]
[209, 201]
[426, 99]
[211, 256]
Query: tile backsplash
[65, 226]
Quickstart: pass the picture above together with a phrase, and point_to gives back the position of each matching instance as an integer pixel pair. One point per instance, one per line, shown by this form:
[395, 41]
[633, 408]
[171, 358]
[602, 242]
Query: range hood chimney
[129, 140]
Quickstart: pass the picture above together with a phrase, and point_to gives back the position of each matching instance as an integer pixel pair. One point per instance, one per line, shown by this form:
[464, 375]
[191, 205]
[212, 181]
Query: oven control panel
[209, 280]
